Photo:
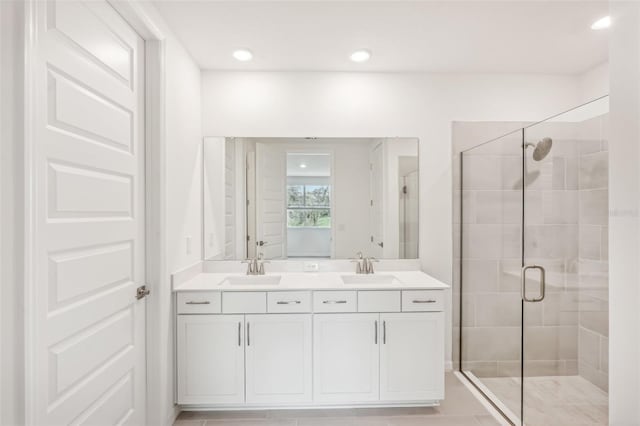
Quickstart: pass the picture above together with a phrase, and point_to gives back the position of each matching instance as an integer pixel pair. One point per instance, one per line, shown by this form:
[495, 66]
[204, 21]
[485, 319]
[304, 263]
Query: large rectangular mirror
[310, 198]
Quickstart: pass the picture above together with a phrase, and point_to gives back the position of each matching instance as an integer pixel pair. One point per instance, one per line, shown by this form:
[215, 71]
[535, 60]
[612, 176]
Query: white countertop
[411, 280]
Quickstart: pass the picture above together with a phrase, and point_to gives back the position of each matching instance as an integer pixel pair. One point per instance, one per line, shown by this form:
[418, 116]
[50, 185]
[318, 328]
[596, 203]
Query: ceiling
[508, 36]
[308, 164]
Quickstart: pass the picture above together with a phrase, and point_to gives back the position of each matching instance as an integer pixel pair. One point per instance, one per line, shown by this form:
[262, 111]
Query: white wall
[182, 209]
[11, 202]
[594, 83]
[309, 242]
[183, 196]
[215, 182]
[280, 104]
[624, 216]
[184, 137]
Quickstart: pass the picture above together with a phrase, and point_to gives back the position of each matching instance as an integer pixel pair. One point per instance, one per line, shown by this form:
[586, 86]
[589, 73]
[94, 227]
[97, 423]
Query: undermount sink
[369, 279]
[252, 280]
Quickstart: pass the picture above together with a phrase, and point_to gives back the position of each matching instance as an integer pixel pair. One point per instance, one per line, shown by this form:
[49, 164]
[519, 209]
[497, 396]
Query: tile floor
[554, 400]
[460, 408]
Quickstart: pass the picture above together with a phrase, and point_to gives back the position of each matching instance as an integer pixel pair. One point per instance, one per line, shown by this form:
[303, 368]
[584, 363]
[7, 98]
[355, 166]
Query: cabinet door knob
[248, 334]
[384, 332]
[239, 333]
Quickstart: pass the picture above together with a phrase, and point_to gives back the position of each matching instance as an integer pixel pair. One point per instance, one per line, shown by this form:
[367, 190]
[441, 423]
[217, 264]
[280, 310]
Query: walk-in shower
[531, 285]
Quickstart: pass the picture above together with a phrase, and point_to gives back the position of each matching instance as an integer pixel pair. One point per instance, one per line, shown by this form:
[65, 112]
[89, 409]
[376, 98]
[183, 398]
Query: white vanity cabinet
[278, 358]
[345, 358]
[390, 357]
[300, 347]
[412, 356]
[210, 359]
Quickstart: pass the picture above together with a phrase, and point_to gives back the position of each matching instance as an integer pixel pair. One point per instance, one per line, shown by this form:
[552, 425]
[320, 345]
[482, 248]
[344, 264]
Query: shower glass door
[488, 287]
[565, 309]
[532, 287]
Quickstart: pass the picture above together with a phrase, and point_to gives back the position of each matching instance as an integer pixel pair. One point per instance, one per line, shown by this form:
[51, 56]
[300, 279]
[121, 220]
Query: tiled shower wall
[564, 212]
[593, 325]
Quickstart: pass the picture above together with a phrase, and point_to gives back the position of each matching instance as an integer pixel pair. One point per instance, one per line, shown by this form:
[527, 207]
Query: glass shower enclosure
[532, 287]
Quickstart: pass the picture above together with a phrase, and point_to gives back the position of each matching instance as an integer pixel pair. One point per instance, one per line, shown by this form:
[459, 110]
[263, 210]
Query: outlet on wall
[187, 240]
[311, 266]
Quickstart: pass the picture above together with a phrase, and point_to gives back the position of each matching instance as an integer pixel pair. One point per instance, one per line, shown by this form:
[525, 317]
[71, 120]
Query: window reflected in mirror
[309, 230]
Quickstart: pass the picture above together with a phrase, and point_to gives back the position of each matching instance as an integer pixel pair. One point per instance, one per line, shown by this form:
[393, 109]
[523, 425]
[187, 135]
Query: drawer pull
[288, 302]
[206, 302]
[424, 301]
[239, 333]
[334, 302]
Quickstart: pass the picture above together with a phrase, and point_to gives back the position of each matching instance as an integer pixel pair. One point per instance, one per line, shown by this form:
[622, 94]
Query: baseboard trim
[253, 407]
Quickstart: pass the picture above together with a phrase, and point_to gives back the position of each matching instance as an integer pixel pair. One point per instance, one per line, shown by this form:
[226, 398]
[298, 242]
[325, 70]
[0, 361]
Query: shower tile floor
[460, 408]
[553, 400]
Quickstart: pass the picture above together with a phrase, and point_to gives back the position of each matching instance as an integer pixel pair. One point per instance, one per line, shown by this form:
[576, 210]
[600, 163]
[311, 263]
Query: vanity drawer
[379, 301]
[288, 301]
[422, 300]
[335, 301]
[199, 302]
[245, 302]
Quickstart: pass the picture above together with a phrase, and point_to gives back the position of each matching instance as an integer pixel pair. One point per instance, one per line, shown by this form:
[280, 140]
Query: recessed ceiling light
[243, 55]
[602, 23]
[303, 166]
[361, 55]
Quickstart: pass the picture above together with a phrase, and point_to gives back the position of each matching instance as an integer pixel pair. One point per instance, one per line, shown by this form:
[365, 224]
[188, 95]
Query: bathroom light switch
[188, 244]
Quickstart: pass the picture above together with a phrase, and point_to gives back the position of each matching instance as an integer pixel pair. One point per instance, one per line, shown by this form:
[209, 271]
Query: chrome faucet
[364, 265]
[255, 266]
[360, 263]
[368, 265]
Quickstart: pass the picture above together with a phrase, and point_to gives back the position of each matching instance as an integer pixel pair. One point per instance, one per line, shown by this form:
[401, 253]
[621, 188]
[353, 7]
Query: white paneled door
[271, 220]
[86, 327]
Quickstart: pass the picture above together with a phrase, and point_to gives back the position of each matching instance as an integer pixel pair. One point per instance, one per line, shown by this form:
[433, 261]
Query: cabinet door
[278, 358]
[345, 358]
[412, 357]
[210, 359]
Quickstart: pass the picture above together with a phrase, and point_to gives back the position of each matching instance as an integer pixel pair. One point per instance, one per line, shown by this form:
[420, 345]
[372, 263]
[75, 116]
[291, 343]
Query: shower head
[541, 149]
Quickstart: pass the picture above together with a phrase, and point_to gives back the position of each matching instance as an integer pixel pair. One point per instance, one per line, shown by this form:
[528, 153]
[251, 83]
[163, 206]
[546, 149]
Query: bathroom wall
[295, 104]
[184, 161]
[11, 214]
[183, 191]
[594, 83]
[624, 214]
[182, 209]
[593, 267]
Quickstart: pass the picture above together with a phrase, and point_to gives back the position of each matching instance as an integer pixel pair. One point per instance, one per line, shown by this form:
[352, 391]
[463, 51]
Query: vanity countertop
[312, 281]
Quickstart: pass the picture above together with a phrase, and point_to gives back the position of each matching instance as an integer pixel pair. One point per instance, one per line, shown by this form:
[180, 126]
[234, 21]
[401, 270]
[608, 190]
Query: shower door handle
[543, 284]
